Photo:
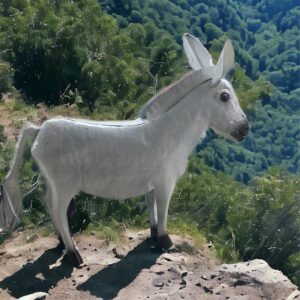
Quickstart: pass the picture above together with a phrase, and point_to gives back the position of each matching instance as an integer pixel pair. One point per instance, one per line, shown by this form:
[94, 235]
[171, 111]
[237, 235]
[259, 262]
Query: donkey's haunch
[124, 159]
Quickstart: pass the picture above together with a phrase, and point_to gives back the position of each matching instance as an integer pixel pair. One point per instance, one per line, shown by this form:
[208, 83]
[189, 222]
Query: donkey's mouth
[237, 136]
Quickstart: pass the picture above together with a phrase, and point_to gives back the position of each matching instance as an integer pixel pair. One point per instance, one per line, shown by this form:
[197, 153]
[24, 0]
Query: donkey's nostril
[241, 130]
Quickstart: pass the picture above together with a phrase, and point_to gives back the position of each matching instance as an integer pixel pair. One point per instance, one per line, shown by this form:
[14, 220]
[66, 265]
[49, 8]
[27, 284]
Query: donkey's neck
[184, 124]
[173, 94]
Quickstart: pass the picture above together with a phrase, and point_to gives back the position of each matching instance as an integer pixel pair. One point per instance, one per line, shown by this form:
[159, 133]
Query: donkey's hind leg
[70, 214]
[48, 201]
[59, 212]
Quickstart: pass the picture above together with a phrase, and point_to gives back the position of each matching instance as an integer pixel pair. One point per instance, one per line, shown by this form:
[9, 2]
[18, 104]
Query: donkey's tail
[10, 192]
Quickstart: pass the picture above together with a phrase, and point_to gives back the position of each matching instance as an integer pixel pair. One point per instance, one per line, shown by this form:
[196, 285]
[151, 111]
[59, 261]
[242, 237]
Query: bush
[6, 77]
[258, 221]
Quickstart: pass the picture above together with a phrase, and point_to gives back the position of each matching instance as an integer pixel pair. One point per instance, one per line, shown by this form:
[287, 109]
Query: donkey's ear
[226, 59]
[225, 62]
[196, 53]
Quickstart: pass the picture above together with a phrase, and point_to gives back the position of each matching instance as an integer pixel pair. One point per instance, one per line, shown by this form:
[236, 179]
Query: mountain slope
[267, 43]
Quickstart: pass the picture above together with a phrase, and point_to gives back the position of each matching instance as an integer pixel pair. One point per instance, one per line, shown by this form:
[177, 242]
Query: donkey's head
[222, 108]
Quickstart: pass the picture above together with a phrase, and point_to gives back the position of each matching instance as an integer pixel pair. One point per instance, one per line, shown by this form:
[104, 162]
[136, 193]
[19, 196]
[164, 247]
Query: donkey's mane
[174, 93]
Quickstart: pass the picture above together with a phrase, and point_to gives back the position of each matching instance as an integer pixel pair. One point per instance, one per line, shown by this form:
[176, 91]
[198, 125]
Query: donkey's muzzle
[241, 130]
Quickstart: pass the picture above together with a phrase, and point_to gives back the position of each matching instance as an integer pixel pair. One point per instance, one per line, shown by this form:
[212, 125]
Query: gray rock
[158, 282]
[256, 269]
[257, 273]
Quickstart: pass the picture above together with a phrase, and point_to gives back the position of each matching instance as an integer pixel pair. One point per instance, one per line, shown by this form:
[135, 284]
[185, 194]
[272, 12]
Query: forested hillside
[267, 42]
[107, 58]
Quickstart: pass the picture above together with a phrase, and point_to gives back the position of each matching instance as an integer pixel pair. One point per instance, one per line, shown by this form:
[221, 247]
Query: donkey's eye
[224, 96]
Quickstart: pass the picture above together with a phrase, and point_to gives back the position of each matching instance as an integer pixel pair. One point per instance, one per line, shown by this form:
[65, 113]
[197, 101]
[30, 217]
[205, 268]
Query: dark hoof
[153, 238]
[61, 245]
[75, 258]
[154, 233]
[72, 209]
[165, 242]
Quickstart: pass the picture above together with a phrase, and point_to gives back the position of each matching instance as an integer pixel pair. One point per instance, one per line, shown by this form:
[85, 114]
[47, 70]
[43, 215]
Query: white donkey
[124, 159]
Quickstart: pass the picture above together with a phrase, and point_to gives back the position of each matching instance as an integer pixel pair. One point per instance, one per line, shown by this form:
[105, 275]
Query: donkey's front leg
[163, 196]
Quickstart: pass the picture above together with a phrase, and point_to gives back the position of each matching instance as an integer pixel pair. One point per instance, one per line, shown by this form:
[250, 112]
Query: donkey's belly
[119, 186]
[118, 191]
[121, 168]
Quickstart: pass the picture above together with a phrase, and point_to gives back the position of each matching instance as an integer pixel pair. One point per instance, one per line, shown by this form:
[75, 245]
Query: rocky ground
[128, 269]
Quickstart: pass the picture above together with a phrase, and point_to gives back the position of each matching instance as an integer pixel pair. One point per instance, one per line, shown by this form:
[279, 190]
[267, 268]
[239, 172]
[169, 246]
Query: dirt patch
[14, 118]
[128, 269]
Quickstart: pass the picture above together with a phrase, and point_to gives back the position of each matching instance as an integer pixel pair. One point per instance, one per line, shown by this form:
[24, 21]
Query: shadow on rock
[25, 281]
[108, 282]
